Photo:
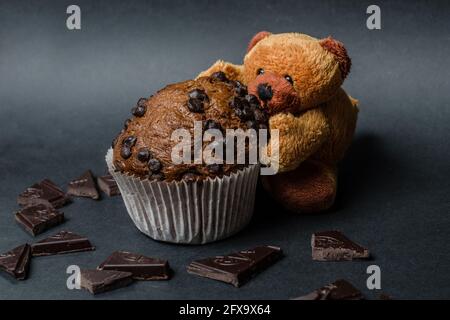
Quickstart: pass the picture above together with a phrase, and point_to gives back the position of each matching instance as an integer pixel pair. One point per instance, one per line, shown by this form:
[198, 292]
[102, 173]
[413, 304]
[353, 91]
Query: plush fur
[314, 115]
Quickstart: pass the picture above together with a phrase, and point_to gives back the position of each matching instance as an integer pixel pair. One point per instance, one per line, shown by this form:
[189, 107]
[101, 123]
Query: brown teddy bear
[298, 78]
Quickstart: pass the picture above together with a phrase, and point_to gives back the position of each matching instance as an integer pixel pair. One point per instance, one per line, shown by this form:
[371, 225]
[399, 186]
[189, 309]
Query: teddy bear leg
[309, 188]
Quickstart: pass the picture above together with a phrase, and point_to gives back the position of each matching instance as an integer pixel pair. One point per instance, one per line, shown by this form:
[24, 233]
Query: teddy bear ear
[257, 38]
[337, 48]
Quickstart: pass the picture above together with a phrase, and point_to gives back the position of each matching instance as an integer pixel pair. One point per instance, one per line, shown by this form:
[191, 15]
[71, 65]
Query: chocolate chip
[211, 124]
[142, 102]
[195, 105]
[125, 152]
[154, 165]
[214, 168]
[143, 155]
[139, 111]
[198, 94]
[219, 75]
[129, 141]
[127, 144]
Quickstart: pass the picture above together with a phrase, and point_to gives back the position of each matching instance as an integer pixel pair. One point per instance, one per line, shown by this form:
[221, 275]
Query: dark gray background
[65, 94]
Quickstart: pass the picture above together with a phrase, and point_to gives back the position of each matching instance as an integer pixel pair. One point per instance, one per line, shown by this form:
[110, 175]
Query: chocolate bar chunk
[142, 268]
[38, 218]
[338, 290]
[98, 281]
[334, 246]
[236, 268]
[108, 185]
[16, 262]
[62, 242]
[44, 192]
[83, 186]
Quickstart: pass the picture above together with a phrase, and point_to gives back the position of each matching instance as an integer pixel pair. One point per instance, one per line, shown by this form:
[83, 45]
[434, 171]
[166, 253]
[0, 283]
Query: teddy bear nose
[265, 92]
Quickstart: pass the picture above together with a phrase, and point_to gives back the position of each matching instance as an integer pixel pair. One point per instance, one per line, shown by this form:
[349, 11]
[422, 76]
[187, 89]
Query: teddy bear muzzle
[265, 92]
[275, 93]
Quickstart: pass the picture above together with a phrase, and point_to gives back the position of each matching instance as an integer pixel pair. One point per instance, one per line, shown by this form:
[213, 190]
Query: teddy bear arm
[232, 71]
[299, 137]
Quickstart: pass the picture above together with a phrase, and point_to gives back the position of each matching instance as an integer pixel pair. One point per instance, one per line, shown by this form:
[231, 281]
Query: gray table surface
[65, 94]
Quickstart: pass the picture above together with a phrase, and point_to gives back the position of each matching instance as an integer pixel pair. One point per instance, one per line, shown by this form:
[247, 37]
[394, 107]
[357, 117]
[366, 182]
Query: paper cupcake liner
[189, 212]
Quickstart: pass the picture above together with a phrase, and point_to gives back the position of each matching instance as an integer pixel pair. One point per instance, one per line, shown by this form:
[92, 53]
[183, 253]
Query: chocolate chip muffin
[144, 146]
[178, 203]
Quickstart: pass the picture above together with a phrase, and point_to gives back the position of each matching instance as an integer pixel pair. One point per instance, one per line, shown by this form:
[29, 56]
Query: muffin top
[144, 146]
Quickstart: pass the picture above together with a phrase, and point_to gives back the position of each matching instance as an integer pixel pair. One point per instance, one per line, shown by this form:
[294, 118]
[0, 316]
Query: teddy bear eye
[289, 79]
[260, 71]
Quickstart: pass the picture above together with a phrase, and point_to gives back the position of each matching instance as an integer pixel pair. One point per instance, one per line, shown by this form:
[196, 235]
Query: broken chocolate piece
[236, 268]
[44, 192]
[142, 267]
[338, 290]
[334, 246]
[62, 242]
[36, 219]
[98, 281]
[16, 262]
[84, 186]
[108, 185]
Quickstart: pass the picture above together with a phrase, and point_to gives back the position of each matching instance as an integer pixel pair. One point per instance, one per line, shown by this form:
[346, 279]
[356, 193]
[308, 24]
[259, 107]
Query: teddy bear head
[293, 72]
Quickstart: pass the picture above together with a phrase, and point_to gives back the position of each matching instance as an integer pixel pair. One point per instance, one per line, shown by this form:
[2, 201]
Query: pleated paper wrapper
[189, 212]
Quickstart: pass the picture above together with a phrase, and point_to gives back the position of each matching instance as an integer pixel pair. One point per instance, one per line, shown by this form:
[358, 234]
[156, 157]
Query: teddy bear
[298, 79]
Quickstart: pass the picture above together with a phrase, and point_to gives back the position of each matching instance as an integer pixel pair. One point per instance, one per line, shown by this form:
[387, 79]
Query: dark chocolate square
[84, 186]
[38, 218]
[108, 185]
[142, 267]
[338, 290]
[44, 192]
[334, 246]
[60, 243]
[16, 262]
[236, 268]
[98, 281]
